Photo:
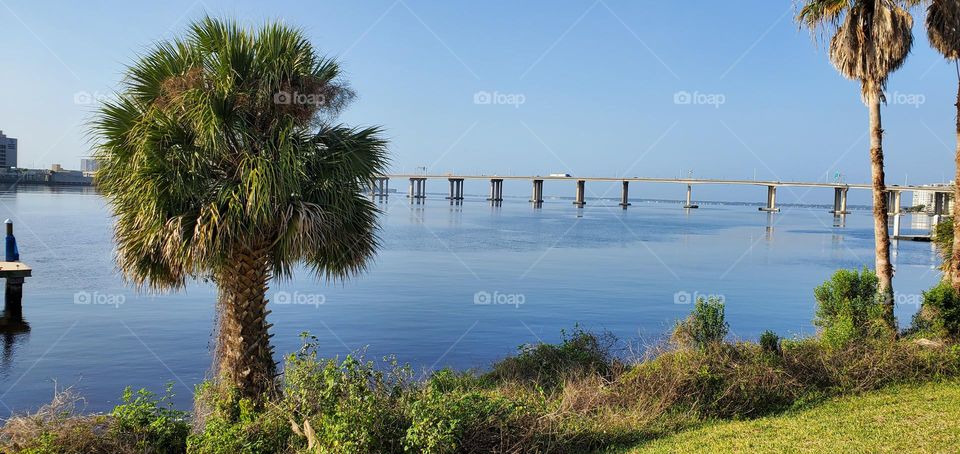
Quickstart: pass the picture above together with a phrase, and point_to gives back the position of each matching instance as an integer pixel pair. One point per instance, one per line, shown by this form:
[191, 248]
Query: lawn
[924, 418]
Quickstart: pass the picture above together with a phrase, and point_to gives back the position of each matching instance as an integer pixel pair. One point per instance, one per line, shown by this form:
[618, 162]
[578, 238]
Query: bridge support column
[537, 196]
[771, 200]
[689, 195]
[896, 225]
[893, 202]
[840, 201]
[580, 200]
[456, 189]
[496, 190]
[625, 195]
[418, 189]
[939, 203]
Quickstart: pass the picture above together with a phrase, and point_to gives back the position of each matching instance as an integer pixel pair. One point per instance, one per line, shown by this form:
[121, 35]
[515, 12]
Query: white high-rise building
[8, 151]
[89, 166]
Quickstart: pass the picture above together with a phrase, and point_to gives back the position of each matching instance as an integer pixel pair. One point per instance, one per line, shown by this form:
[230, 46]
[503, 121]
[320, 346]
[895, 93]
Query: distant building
[89, 166]
[924, 199]
[8, 151]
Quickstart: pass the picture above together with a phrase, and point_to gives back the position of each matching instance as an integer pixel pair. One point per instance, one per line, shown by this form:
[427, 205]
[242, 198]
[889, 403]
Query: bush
[770, 343]
[467, 422]
[704, 326]
[579, 354]
[327, 405]
[943, 239]
[939, 315]
[153, 424]
[849, 309]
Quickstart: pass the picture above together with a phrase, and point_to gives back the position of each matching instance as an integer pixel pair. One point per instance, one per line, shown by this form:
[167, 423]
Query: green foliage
[153, 423]
[939, 315]
[462, 421]
[238, 426]
[770, 343]
[706, 324]
[548, 365]
[849, 309]
[943, 239]
[205, 150]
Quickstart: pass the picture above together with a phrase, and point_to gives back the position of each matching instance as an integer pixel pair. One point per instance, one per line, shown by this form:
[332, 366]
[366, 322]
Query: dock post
[689, 195]
[624, 195]
[13, 296]
[771, 200]
[537, 196]
[580, 200]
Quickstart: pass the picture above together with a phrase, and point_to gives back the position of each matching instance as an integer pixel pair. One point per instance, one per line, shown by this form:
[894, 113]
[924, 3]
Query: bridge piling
[496, 190]
[690, 205]
[840, 201]
[456, 189]
[580, 200]
[624, 195]
[537, 196]
[771, 200]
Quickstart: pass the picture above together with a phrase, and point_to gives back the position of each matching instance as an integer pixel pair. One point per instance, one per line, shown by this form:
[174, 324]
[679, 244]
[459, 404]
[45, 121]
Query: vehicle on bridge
[563, 175]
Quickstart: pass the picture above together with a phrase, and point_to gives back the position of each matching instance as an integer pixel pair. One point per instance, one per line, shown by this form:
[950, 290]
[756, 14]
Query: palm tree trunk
[244, 357]
[955, 255]
[880, 229]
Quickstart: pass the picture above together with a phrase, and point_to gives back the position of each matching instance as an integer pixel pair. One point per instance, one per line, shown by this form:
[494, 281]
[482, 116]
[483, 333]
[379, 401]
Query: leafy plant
[153, 422]
[939, 314]
[848, 308]
[704, 326]
[770, 343]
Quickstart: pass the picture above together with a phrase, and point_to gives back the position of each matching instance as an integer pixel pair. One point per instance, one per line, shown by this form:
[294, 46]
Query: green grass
[924, 418]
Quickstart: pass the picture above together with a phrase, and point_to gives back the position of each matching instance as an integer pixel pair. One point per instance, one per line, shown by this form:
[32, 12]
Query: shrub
[848, 308]
[770, 343]
[466, 422]
[153, 424]
[939, 315]
[704, 326]
[579, 354]
[142, 423]
[943, 239]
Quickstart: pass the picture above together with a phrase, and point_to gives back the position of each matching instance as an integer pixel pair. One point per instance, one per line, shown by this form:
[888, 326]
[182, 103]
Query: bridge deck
[691, 181]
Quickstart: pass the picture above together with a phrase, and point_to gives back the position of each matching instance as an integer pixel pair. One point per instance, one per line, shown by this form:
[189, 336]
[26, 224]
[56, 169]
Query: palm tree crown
[871, 40]
[220, 159]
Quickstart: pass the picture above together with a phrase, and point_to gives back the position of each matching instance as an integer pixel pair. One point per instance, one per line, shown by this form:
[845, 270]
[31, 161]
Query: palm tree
[943, 30]
[220, 159]
[871, 39]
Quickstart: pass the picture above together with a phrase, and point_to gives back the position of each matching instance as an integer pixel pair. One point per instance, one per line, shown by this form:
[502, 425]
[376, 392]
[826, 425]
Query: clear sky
[592, 88]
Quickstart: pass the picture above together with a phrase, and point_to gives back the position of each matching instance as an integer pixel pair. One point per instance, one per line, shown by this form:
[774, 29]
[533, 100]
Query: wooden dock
[921, 238]
[15, 269]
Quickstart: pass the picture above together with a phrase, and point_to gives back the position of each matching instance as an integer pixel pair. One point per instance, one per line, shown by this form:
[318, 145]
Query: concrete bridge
[418, 184]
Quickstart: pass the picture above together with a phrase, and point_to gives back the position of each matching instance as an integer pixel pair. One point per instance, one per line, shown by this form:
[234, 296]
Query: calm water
[602, 267]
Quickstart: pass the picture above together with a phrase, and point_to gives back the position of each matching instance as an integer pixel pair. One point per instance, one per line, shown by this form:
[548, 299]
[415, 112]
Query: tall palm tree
[221, 160]
[871, 39]
[943, 30]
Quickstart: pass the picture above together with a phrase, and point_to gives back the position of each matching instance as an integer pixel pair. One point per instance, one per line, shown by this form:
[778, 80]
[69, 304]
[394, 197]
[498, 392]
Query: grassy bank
[578, 395]
[923, 418]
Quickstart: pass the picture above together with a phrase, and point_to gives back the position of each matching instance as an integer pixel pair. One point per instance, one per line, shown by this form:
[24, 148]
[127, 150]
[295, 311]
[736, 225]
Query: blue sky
[585, 87]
